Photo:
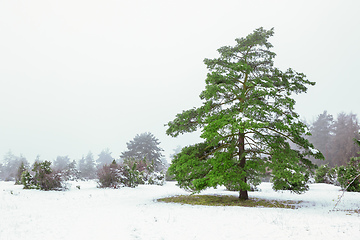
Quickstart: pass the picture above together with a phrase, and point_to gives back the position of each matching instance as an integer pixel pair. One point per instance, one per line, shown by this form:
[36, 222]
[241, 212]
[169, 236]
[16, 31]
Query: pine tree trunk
[243, 193]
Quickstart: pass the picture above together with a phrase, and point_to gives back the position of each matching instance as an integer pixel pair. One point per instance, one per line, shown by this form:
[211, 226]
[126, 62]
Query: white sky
[79, 76]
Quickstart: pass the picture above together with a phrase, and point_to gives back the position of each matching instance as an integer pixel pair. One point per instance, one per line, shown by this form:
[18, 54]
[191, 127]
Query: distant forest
[144, 147]
[334, 137]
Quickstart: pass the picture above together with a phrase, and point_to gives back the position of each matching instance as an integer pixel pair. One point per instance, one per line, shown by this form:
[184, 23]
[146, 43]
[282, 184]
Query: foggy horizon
[85, 76]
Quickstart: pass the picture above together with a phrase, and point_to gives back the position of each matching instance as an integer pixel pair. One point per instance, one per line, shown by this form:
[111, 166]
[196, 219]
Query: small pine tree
[349, 175]
[70, 172]
[43, 178]
[27, 180]
[22, 168]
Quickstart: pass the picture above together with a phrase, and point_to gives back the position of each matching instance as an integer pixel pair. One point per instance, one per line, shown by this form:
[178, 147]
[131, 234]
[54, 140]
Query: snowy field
[92, 213]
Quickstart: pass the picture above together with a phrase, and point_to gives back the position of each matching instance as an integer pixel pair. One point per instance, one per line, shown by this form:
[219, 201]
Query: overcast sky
[80, 76]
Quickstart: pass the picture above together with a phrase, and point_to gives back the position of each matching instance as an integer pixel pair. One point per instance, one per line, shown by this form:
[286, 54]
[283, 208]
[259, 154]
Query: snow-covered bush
[349, 175]
[110, 176]
[132, 177]
[143, 172]
[116, 176]
[42, 177]
[154, 178]
[27, 180]
[70, 173]
[147, 170]
[131, 173]
[325, 174]
[22, 168]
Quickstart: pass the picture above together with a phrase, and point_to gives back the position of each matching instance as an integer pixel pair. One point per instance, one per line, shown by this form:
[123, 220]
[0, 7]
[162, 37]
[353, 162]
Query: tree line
[86, 166]
[142, 158]
[335, 138]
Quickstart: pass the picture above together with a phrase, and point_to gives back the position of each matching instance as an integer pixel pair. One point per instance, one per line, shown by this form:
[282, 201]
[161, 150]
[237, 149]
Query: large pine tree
[247, 121]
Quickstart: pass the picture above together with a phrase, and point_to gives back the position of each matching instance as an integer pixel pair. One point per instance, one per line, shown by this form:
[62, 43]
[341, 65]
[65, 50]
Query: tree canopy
[61, 163]
[9, 170]
[334, 137]
[144, 146]
[346, 129]
[87, 166]
[104, 157]
[322, 130]
[247, 121]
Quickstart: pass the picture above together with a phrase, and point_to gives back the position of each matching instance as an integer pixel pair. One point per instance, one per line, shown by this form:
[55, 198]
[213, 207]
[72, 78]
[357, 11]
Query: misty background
[80, 76]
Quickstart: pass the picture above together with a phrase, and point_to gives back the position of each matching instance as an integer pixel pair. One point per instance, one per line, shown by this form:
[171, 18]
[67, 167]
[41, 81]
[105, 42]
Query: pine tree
[87, 166]
[11, 166]
[104, 158]
[144, 146]
[247, 121]
[346, 129]
[61, 163]
[322, 132]
[24, 166]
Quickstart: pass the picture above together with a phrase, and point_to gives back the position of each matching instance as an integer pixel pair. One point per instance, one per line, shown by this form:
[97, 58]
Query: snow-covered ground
[93, 213]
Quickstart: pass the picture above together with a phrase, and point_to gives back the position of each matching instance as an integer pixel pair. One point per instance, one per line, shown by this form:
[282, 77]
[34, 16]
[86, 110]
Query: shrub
[116, 176]
[129, 174]
[147, 172]
[348, 176]
[110, 176]
[70, 173]
[43, 178]
[325, 174]
[154, 178]
[27, 180]
[22, 168]
[132, 176]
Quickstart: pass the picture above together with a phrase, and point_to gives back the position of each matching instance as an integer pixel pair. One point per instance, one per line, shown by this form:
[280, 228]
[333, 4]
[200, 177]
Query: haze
[80, 76]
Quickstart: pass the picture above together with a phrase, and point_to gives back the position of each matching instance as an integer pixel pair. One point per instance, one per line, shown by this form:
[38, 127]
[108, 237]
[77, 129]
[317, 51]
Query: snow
[134, 213]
